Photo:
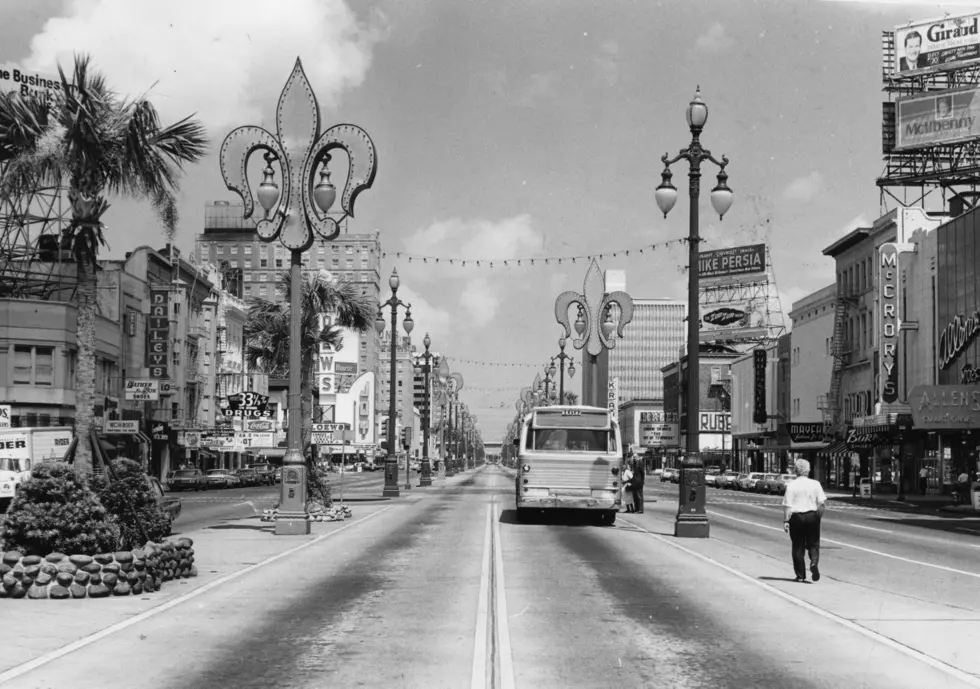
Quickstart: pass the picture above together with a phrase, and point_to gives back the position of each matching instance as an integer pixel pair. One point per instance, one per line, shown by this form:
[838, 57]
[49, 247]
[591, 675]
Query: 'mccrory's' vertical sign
[158, 333]
[890, 323]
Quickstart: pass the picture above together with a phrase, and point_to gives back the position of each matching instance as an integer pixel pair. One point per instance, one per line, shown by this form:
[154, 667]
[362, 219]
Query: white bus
[569, 458]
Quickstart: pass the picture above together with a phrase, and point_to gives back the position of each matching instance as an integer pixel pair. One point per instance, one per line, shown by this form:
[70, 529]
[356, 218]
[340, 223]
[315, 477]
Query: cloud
[606, 64]
[804, 188]
[857, 221]
[479, 301]
[714, 39]
[139, 44]
[429, 318]
[477, 239]
[540, 86]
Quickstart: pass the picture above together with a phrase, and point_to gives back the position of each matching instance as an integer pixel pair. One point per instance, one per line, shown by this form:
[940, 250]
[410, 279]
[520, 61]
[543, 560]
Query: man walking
[639, 477]
[803, 507]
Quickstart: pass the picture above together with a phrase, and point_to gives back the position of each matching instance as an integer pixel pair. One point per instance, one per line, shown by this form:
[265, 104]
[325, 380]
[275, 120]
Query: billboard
[738, 260]
[344, 375]
[938, 118]
[14, 78]
[925, 45]
[733, 320]
[659, 429]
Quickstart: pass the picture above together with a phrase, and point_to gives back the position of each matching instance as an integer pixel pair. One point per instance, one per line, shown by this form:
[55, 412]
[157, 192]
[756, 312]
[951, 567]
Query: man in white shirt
[803, 506]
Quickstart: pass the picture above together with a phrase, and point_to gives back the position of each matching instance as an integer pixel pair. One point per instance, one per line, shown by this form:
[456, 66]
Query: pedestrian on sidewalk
[639, 478]
[803, 508]
[628, 488]
[923, 479]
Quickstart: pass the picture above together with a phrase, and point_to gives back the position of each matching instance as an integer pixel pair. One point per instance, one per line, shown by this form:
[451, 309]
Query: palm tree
[267, 332]
[95, 143]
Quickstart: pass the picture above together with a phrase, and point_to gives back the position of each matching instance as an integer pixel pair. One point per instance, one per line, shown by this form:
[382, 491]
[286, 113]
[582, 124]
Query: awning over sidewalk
[871, 436]
[836, 450]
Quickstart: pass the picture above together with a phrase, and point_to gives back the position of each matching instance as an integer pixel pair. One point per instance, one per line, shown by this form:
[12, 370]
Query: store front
[881, 442]
[947, 418]
[806, 441]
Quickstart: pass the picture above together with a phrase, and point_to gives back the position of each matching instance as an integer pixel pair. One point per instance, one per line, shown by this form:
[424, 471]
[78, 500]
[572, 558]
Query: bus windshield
[571, 440]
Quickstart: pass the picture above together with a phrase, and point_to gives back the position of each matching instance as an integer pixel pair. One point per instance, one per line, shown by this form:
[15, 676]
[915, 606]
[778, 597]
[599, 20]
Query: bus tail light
[526, 467]
[615, 471]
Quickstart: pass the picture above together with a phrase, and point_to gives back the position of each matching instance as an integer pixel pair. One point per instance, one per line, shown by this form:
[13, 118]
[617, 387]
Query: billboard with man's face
[937, 42]
[938, 118]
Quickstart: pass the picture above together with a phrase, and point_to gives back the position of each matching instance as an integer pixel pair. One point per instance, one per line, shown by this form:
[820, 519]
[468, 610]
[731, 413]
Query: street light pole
[391, 461]
[692, 519]
[301, 152]
[426, 369]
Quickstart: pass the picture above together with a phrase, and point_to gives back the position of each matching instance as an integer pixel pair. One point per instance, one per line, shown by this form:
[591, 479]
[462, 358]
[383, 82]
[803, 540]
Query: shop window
[33, 365]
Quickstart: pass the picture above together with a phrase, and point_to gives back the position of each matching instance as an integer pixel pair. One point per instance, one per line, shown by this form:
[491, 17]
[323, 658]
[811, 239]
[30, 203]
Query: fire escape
[839, 351]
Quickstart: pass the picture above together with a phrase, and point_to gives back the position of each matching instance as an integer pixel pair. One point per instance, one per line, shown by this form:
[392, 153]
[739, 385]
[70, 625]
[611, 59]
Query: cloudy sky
[519, 128]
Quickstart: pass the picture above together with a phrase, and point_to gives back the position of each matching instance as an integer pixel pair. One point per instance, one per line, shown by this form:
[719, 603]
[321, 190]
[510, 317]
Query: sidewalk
[913, 502]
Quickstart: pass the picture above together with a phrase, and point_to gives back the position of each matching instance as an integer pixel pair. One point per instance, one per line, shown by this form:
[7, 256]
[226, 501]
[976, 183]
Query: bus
[569, 458]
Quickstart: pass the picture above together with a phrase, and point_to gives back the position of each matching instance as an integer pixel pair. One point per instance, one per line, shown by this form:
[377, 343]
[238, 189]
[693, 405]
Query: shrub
[317, 485]
[131, 484]
[56, 511]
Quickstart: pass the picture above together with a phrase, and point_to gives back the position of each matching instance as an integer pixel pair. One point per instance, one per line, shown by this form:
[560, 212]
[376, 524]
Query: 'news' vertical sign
[158, 333]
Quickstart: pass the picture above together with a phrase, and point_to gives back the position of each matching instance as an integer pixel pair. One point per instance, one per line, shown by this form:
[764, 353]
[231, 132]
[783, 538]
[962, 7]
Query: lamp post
[692, 520]
[425, 368]
[391, 462]
[593, 335]
[571, 369]
[293, 216]
[553, 374]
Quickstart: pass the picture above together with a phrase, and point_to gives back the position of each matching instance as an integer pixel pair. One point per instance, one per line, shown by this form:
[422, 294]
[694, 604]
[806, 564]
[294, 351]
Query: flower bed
[315, 513]
[123, 573]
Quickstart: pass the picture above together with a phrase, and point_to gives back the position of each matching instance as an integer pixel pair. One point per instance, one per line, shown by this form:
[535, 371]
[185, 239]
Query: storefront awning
[206, 453]
[836, 450]
[871, 436]
[273, 452]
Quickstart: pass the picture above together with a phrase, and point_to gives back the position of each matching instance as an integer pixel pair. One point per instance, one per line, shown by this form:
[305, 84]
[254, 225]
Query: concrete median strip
[905, 650]
[46, 658]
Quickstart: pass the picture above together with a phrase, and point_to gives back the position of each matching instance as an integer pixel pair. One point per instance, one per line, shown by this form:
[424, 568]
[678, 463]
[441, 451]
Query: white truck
[11, 476]
[22, 448]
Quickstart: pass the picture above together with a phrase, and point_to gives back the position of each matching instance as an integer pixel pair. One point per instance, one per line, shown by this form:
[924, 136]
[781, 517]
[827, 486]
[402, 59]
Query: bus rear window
[570, 440]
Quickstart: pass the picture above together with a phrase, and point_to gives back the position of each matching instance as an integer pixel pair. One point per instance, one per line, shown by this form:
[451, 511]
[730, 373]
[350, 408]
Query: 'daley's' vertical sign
[158, 333]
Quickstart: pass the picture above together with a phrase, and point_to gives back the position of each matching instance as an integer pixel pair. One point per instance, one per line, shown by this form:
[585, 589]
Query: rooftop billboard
[738, 260]
[938, 118]
[13, 77]
[925, 45]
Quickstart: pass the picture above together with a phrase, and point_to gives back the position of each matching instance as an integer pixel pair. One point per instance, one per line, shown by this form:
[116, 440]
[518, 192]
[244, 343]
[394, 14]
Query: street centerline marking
[503, 629]
[965, 677]
[478, 672]
[46, 658]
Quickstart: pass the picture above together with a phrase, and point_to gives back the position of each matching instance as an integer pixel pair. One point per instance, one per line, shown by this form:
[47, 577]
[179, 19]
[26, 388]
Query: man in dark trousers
[639, 477]
[803, 506]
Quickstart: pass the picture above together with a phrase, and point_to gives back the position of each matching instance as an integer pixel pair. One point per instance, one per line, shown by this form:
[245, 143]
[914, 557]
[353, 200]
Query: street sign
[127, 427]
[143, 390]
[166, 388]
[250, 440]
[321, 438]
[330, 427]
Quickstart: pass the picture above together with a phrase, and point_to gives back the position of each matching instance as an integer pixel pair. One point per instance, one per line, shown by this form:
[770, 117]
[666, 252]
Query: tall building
[404, 381]
[251, 267]
[652, 340]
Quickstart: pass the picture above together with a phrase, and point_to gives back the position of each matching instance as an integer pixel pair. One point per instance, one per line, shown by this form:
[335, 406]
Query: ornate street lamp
[293, 216]
[571, 369]
[391, 461]
[593, 335]
[692, 520]
[423, 366]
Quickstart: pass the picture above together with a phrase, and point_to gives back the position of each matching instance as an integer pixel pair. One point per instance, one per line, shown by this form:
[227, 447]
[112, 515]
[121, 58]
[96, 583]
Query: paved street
[442, 585]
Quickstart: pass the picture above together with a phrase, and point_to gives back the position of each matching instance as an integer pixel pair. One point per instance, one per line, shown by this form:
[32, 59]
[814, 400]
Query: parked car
[665, 474]
[277, 477]
[222, 478]
[188, 479]
[710, 474]
[169, 504]
[725, 480]
[265, 473]
[779, 485]
[247, 477]
[762, 485]
[747, 481]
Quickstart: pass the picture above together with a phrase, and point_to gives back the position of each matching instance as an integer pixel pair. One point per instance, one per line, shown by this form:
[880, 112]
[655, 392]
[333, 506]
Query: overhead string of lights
[531, 260]
[496, 364]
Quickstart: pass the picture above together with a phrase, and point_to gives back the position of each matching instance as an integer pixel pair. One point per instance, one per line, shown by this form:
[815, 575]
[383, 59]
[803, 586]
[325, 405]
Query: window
[248, 263]
[248, 250]
[568, 439]
[221, 250]
[335, 262]
[350, 264]
[234, 248]
[278, 263]
[263, 263]
[262, 290]
[33, 365]
[350, 249]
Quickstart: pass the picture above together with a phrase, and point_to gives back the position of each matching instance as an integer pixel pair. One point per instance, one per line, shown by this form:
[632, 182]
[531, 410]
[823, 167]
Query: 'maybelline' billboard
[938, 118]
[925, 45]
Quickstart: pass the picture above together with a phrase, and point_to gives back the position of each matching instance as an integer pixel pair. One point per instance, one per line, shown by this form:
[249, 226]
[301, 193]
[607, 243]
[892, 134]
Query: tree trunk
[85, 366]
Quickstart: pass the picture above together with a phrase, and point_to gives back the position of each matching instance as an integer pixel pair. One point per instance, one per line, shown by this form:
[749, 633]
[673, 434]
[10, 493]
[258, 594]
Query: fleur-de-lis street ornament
[454, 383]
[300, 149]
[293, 216]
[594, 325]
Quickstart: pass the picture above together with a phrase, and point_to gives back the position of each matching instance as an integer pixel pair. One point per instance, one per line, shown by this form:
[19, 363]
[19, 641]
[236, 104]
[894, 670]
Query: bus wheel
[608, 518]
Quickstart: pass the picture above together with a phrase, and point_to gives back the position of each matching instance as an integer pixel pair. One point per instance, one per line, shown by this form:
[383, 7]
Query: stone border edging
[59, 576]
